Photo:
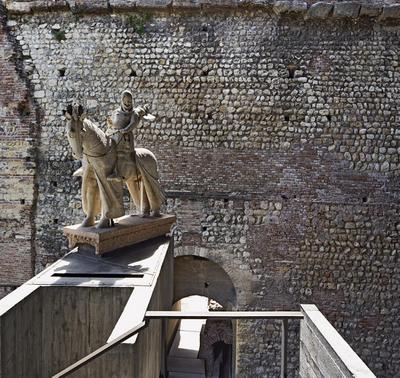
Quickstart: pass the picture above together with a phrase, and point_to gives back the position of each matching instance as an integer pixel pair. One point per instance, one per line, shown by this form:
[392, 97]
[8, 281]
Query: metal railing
[284, 316]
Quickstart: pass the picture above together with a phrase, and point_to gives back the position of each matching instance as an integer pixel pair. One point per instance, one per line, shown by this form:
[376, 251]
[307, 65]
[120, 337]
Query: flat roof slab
[136, 265]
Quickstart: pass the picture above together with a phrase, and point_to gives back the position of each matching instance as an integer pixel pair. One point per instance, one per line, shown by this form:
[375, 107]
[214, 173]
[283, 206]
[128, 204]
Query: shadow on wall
[194, 275]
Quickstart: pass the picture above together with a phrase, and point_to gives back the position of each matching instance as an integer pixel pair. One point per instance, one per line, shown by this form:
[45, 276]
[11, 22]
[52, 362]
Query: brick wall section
[17, 172]
[278, 145]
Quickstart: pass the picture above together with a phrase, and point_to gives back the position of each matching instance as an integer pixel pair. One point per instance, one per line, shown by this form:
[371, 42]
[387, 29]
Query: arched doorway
[195, 275]
[201, 277]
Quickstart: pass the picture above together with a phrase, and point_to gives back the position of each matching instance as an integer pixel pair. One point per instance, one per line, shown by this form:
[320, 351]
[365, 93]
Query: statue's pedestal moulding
[128, 230]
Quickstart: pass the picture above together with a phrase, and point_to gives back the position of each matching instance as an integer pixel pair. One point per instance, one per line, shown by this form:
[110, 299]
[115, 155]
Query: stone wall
[278, 144]
[18, 129]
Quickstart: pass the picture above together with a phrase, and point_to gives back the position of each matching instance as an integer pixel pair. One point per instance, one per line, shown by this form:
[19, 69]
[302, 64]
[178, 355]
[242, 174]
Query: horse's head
[75, 117]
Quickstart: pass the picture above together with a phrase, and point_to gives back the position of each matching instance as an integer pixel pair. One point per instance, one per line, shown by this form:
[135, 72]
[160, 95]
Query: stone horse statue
[100, 156]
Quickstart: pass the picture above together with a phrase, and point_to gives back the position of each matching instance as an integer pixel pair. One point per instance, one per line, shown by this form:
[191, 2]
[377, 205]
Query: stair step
[185, 365]
[186, 344]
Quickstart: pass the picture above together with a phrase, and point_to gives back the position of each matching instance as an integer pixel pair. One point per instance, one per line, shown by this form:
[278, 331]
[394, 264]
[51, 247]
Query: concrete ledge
[140, 299]
[15, 297]
[324, 352]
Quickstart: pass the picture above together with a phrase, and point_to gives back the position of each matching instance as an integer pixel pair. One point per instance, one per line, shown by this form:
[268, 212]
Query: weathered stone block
[39, 94]
[256, 2]
[88, 5]
[153, 3]
[319, 10]
[19, 7]
[347, 9]
[219, 3]
[122, 4]
[370, 10]
[186, 3]
[390, 12]
[281, 7]
[46, 5]
[37, 5]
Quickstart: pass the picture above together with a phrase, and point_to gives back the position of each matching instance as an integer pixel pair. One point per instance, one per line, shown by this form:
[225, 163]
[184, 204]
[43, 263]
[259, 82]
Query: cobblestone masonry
[278, 140]
[17, 167]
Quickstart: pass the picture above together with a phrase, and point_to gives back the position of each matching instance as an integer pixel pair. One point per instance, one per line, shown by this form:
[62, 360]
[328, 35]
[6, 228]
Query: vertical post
[284, 337]
[141, 197]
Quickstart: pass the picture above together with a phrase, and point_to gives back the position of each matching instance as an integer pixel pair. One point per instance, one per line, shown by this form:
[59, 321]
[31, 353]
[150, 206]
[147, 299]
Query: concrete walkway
[183, 361]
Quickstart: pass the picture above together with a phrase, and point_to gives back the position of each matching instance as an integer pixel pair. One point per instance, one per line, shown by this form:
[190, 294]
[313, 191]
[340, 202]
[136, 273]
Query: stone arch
[240, 276]
[195, 275]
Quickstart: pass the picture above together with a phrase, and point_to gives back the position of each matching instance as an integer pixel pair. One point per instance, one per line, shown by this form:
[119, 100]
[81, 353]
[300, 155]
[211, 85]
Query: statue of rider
[120, 125]
[136, 167]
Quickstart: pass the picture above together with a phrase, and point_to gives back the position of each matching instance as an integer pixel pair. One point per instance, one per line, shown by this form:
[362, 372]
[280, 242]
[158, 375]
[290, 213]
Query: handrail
[284, 316]
[98, 352]
[278, 315]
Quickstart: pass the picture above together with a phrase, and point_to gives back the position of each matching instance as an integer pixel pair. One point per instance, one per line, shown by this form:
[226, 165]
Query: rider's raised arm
[137, 115]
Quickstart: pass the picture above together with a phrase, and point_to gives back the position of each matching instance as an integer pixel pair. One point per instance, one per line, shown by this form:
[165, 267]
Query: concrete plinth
[80, 302]
[128, 230]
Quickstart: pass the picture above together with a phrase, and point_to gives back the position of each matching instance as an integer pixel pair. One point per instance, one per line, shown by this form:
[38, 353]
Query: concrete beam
[331, 355]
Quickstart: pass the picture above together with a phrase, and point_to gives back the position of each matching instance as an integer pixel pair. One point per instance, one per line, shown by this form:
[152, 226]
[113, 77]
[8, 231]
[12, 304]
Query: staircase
[183, 361]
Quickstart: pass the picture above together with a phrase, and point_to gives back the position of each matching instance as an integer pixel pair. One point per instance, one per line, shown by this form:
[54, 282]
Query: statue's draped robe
[106, 196]
[149, 174]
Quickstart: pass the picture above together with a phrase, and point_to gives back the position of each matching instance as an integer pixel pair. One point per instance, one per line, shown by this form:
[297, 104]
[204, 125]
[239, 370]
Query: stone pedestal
[128, 230]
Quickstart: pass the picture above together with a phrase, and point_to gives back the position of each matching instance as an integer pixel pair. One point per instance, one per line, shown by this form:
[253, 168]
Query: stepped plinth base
[128, 230]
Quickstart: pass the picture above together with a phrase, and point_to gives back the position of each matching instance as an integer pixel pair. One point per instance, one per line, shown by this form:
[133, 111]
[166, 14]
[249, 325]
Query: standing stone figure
[119, 127]
[109, 159]
[131, 161]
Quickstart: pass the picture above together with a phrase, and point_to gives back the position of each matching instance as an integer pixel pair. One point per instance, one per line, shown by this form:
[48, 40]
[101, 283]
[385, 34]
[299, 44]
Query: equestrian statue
[110, 159]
